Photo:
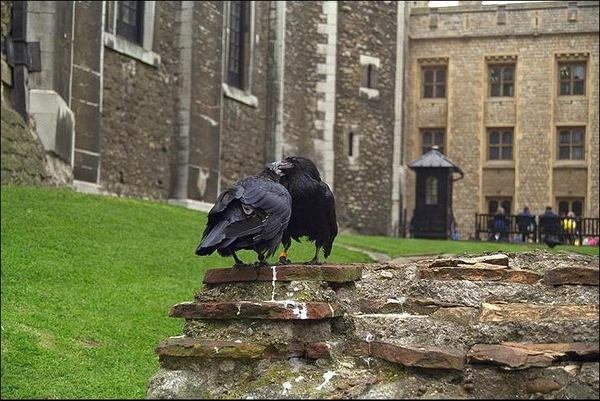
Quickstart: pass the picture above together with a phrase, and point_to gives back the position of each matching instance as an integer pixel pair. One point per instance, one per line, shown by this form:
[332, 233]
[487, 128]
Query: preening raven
[313, 207]
[252, 214]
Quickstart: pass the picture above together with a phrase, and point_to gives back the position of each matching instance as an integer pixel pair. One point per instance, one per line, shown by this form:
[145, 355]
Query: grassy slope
[87, 282]
[403, 247]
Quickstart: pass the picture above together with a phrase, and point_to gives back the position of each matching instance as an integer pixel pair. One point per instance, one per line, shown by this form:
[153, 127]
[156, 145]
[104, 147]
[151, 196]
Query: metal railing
[535, 228]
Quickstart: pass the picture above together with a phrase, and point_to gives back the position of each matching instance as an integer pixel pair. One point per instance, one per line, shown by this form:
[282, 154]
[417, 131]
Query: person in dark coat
[550, 227]
[501, 225]
[525, 223]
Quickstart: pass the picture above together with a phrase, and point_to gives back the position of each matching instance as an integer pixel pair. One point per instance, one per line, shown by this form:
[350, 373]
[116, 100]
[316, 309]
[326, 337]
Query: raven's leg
[283, 260]
[238, 261]
[315, 259]
[261, 261]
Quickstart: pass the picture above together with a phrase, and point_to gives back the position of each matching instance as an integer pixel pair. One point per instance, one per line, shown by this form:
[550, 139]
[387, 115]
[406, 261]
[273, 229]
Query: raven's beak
[280, 166]
[283, 165]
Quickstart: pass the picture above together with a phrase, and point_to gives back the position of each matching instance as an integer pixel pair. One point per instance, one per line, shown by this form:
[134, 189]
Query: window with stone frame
[130, 21]
[566, 205]
[239, 43]
[503, 202]
[500, 143]
[369, 76]
[571, 78]
[434, 82]
[571, 142]
[502, 80]
[433, 137]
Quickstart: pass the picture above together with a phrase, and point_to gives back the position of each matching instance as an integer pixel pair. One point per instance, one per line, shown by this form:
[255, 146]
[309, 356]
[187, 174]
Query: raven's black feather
[313, 205]
[252, 214]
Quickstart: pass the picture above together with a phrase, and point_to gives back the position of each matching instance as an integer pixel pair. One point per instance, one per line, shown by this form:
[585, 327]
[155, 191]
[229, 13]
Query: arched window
[431, 191]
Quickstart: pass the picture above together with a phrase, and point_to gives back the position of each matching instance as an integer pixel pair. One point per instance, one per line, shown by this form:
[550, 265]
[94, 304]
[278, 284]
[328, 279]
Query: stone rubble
[520, 325]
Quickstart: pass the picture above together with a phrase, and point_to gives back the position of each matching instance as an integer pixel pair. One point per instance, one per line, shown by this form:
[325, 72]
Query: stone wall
[301, 77]
[6, 79]
[138, 116]
[363, 181]
[22, 153]
[245, 127]
[468, 327]
[467, 41]
[205, 128]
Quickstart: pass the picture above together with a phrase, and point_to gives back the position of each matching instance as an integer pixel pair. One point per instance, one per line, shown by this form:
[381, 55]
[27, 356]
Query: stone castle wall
[138, 116]
[466, 42]
[363, 180]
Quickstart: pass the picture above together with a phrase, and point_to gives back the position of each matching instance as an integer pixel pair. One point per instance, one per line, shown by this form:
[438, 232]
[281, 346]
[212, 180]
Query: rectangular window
[500, 144]
[571, 143]
[369, 76]
[434, 82]
[502, 80]
[571, 78]
[130, 21]
[495, 203]
[431, 191]
[239, 18]
[566, 205]
[432, 137]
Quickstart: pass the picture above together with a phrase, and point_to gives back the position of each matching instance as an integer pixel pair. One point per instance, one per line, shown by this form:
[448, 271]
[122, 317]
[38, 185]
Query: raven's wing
[329, 205]
[262, 211]
[273, 201]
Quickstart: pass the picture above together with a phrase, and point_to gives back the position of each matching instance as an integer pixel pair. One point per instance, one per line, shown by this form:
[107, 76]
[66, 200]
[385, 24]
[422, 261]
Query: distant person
[550, 227]
[569, 226]
[501, 225]
[525, 223]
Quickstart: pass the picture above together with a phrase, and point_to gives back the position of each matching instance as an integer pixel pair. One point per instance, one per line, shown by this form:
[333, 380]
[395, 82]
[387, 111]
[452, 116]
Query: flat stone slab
[198, 348]
[273, 310]
[329, 273]
[488, 273]
[572, 275]
[512, 355]
[536, 312]
[496, 259]
[423, 357]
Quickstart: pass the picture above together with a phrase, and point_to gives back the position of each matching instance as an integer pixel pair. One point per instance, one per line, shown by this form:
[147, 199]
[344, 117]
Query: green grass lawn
[87, 282]
[395, 247]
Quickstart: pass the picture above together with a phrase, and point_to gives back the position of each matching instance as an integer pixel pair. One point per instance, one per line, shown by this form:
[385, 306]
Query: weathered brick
[183, 347]
[276, 310]
[423, 357]
[526, 355]
[498, 259]
[572, 275]
[535, 312]
[331, 273]
[480, 274]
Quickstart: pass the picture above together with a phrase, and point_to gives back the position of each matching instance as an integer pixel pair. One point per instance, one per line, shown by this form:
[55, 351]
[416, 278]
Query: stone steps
[219, 321]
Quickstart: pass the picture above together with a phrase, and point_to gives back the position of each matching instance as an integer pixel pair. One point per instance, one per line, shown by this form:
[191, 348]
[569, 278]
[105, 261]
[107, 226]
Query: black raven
[313, 207]
[252, 214]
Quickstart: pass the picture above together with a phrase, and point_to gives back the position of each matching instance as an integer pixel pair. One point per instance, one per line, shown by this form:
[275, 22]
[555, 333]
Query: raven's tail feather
[212, 239]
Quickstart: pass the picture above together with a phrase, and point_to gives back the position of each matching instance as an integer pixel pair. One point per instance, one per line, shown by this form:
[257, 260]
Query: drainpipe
[398, 119]
[280, 69]
[184, 100]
